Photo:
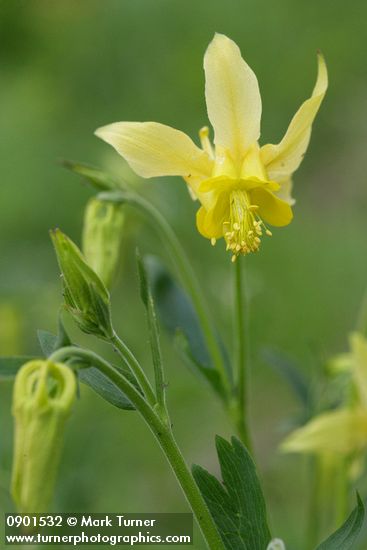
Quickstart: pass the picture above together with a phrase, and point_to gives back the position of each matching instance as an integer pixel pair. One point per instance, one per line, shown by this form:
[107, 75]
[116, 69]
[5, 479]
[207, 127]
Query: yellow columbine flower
[239, 184]
[342, 431]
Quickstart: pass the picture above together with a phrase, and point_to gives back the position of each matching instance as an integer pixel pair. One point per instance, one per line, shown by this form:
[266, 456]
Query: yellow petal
[359, 349]
[273, 210]
[153, 149]
[224, 183]
[283, 159]
[210, 222]
[343, 431]
[252, 164]
[201, 222]
[232, 96]
[194, 187]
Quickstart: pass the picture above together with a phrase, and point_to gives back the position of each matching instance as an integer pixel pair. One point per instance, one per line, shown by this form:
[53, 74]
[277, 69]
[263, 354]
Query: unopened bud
[86, 297]
[44, 393]
[102, 237]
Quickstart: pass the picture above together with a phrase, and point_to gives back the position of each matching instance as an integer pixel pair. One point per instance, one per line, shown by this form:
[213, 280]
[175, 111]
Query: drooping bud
[102, 237]
[44, 393]
[86, 297]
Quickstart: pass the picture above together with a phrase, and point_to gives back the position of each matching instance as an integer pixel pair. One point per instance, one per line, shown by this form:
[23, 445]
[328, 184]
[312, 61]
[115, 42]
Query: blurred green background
[70, 66]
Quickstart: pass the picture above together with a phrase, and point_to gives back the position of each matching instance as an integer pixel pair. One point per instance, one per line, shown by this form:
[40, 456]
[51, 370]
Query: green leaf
[50, 342]
[345, 537]
[211, 376]
[9, 366]
[145, 292]
[47, 341]
[91, 376]
[147, 299]
[176, 310]
[237, 506]
[178, 316]
[97, 178]
[102, 385]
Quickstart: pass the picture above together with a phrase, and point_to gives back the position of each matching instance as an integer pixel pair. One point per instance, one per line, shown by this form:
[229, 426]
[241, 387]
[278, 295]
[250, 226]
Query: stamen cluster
[243, 230]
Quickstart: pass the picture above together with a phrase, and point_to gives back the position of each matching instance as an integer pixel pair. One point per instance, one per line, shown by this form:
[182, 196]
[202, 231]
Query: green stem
[165, 438]
[188, 278]
[135, 367]
[160, 383]
[328, 504]
[341, 490]
[314, 522]
[241, 345]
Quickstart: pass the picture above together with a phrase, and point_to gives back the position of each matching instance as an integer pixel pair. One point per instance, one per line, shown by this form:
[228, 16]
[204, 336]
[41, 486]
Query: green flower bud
[44, 393]
[102, 237]
[86, 297]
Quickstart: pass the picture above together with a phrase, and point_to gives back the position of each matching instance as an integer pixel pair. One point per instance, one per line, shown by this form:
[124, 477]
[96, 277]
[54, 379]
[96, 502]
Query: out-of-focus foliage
[69, 67]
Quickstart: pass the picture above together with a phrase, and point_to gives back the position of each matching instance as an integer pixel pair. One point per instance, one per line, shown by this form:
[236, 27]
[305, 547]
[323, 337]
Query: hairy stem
[135, 367]
[164, 436]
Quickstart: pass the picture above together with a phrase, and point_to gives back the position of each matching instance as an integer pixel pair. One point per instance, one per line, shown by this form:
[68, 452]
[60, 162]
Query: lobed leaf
[345, 537]
[237, 506]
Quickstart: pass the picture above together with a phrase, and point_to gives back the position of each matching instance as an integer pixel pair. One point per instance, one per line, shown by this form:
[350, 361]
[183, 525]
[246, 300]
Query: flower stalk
[186, 274]
[241, 346]
[163, 435]
[133, 364]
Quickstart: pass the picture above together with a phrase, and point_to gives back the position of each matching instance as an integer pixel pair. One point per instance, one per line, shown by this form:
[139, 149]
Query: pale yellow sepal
[285, 191]
[232, 96]
[153, 149]
[283, 159]
[343, 431]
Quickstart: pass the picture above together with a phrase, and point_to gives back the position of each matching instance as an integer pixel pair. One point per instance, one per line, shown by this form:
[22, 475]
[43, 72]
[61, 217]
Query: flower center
[244, 228]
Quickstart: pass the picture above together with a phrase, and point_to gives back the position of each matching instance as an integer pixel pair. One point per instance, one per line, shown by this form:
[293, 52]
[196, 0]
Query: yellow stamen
[243, 227]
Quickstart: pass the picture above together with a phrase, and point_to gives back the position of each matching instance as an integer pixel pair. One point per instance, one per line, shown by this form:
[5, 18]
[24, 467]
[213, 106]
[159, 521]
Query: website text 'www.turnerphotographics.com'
[96, 529]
